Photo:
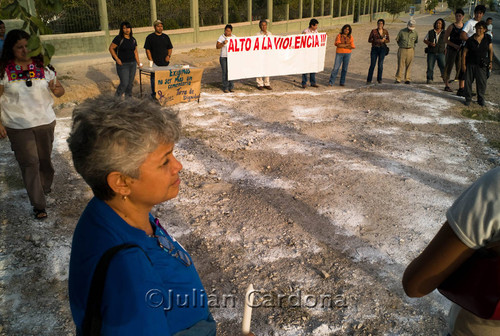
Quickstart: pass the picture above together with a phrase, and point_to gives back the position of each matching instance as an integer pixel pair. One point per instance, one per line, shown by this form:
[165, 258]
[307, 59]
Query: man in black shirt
[158, 49]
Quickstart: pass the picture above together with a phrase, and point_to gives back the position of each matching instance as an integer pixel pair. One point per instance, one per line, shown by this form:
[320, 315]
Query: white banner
[266, 56]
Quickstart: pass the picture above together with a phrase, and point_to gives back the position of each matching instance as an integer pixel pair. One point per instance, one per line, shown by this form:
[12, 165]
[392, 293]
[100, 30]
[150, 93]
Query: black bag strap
[92, 320]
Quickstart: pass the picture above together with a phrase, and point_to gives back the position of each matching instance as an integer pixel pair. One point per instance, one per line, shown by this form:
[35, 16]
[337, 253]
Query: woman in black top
[123, 49]
[435, 49]
[477, 61]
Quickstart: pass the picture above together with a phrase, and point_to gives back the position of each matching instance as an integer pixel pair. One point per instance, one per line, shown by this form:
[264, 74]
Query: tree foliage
[430, 5]
[456, 4]
[34, 25]
[394, 7]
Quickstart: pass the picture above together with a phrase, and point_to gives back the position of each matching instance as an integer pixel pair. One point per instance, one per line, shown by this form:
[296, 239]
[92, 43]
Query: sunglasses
[169, 247]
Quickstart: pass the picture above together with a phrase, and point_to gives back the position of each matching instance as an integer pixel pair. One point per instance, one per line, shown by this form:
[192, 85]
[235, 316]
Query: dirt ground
[318, 197]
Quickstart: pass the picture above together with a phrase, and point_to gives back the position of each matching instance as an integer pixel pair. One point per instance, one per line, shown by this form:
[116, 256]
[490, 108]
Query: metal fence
[83, 15]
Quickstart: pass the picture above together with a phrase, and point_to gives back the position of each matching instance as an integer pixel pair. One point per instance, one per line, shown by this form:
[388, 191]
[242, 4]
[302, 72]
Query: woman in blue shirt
[124, 151]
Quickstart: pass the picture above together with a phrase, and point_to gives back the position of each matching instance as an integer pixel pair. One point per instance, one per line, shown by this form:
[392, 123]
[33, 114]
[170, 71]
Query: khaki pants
[265, 82]
[405, 60]
[33, 148]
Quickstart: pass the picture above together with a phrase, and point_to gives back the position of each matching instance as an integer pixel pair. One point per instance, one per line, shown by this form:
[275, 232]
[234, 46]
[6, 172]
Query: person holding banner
[344, 43]
[313, 29]
[227, 86]
[263, 84]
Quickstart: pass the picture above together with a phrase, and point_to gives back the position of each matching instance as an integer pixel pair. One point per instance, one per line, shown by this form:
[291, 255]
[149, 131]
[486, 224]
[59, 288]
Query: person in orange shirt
[344, 43]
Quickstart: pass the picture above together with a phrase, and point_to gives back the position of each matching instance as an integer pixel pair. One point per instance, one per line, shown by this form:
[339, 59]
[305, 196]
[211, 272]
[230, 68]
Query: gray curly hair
[110, 134]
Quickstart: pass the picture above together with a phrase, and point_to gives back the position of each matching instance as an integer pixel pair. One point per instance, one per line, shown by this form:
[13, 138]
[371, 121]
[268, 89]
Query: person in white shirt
[227, 86]
[263, 83]
[313, 29]
[489, 23]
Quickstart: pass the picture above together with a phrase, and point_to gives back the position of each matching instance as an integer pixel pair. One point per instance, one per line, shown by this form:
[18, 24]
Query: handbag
[475, 285]
[386, 50]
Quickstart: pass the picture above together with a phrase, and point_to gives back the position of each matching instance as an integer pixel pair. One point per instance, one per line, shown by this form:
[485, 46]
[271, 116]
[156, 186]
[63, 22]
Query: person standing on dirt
[124, 150]
[263, 83]
[435, 41]
[453, 53]
[158, 49]
[473, 223]
[345, 44]
[227, 86]
[27, 116]
[477, 61]
[407, 39]
[379, 37]
[313, 29]
[468, 30]
[123, 49]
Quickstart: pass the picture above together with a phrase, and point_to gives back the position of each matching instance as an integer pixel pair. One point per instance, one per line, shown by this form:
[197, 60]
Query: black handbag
[386, 50]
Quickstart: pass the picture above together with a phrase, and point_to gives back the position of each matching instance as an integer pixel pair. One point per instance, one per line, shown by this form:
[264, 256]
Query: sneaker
[461, 92]
[268, 87]
[260, 88]
[448, 89]
[314, 85]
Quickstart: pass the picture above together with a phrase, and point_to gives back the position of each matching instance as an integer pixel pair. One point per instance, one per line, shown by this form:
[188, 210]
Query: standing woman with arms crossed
[379, 38]
[123, 49]
[27, 117]
[344, 43]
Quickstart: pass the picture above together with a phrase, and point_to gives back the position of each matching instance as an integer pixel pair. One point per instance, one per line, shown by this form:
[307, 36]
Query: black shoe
[379, 81]
[260, 88]
[467, 102]
[461, 92]
[481, 102]
[407, 82]
[397, 82]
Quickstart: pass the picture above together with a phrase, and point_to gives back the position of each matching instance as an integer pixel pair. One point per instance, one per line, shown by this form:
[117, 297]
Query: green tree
[430, 5]
[456, 4]
[34, 25]
[394, 7]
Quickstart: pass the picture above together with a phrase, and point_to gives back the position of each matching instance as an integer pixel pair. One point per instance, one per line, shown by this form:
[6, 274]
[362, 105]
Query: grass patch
[481, 114]
[494, 144]
[64, 77]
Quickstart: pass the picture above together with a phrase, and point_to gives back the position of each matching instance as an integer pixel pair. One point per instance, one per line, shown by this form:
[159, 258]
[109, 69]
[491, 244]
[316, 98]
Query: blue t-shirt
[141, 297]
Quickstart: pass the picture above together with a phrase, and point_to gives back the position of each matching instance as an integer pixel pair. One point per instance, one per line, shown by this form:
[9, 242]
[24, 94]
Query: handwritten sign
[259, 56]
[178, 85]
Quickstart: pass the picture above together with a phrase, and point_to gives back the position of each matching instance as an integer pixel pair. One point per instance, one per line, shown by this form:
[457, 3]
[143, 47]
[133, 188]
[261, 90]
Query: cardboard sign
[266, 56]
[178, 85]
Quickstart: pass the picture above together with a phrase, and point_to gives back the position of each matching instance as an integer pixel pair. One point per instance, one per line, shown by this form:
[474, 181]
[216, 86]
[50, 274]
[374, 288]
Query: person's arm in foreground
[444, 254]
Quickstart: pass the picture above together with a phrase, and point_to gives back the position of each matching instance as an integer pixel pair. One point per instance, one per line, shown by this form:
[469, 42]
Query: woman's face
[21, 51]
[126, 30]
[346, 31]
[439, 25]
[158, 178]
[380, 25]
[228, 32]
[480, 30]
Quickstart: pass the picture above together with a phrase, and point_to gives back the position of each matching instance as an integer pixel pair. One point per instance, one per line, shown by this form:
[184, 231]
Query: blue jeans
[431, 61]
[226, 85]
[126, 73]
[340, 59]
[377, 52]
[312, 78]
